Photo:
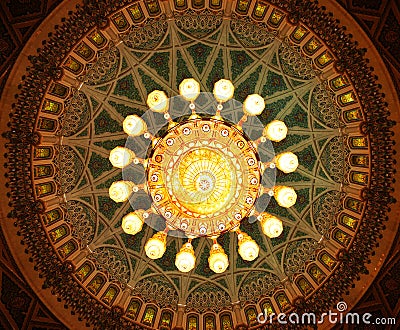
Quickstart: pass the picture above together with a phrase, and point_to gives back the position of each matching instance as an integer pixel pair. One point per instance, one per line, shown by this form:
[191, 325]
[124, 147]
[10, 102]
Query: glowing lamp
[287, 162]
[189, 89]
[271, 225]
[132, 223]
[121, 157]
[223, 90]
[120, 191]
[158, 101]
[185, 259]
[253, 105]
[248, 248]
[134, 125]
[218, 260]
[285, 196]
[156, 246]
[275, 131]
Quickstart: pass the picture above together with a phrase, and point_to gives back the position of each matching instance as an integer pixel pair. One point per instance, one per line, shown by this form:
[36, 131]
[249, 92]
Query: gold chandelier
[203, 176]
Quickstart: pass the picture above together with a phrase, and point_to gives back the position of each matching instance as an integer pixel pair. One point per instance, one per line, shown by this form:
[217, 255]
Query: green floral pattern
[268, 66]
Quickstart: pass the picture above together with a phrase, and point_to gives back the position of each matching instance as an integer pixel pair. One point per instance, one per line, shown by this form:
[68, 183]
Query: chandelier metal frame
[204, 176]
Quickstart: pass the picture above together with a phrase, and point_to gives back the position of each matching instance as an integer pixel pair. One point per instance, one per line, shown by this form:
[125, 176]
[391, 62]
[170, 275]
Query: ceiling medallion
[204, 175]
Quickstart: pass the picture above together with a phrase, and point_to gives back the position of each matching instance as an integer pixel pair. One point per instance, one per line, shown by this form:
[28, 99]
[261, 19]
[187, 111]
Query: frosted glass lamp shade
[223, 90]
[287, 162]
[185, 259]
[132, 223]
[189, 89]
[218, 260]
[134, 125]
[120, 191]
[285, 196]
[271, 225]
[157, 101]
[248, 248]
[156, 246]
[275, 131]
[253, 105]
[121, 157]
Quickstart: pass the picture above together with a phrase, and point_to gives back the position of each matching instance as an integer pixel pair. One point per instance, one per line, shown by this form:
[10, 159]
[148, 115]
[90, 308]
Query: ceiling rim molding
[19, 139]
[393, 100]
[11, 230]
[8, 98]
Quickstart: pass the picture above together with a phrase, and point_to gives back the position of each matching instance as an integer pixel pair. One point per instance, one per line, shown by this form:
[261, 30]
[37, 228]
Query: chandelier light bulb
[271, 225]
[218, 260]
[121, 157]
[253, 105]
[185, 259]
[287, 162]
[132, 223]
[120, 191]
[223, 90]
[285, 196]
[275, 131]
[156, 246]
[248, 248]
[158, 101]
[134, 125]
[189, 89]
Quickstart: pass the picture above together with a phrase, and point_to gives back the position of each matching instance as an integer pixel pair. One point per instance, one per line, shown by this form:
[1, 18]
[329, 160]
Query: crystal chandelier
[203, 175]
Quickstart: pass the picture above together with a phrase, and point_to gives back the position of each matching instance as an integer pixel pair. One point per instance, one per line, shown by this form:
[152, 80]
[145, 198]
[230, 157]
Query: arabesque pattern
[303, 83]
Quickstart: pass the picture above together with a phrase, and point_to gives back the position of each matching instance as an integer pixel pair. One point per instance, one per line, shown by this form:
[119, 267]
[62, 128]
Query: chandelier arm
[241, 121]
[260, 140]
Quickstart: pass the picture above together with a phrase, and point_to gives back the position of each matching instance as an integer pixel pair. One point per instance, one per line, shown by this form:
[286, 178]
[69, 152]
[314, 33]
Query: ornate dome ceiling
[99, 67]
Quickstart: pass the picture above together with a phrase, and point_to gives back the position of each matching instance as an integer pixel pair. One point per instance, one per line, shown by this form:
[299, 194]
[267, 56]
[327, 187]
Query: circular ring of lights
[202, 175]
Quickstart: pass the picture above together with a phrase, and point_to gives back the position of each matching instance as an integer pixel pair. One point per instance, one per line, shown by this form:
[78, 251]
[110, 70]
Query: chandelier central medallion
[204, 176]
